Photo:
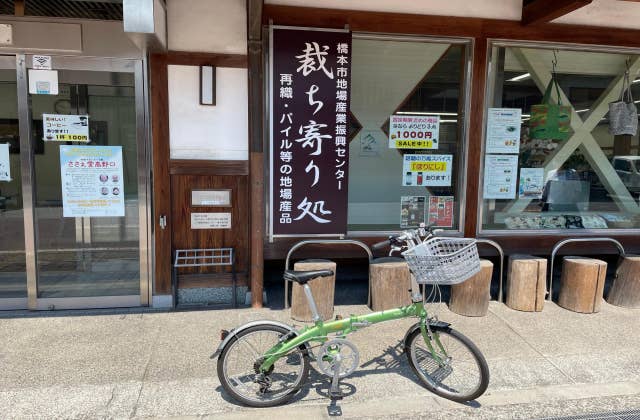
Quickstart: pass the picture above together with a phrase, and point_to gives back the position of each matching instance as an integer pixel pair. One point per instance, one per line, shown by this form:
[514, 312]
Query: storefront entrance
[50, 257]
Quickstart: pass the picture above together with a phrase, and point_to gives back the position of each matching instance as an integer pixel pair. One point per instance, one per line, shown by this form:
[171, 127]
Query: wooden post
[18, 7]
[526, 283]
[471, 297]
[625, 290]
[256, 156]
[582, 284]
[323, 290]
[390, 283]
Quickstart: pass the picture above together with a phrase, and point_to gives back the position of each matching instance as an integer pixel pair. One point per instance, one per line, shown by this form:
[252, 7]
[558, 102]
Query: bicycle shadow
[392, 360]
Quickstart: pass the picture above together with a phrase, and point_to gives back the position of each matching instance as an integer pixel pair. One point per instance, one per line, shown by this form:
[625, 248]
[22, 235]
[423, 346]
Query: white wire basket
[443, 260]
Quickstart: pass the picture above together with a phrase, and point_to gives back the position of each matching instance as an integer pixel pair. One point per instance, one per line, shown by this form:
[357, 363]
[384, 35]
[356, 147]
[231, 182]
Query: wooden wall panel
[237, 237]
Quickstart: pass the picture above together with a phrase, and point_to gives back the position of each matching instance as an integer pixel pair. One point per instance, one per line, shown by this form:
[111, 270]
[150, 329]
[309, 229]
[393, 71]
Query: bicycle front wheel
[458, 371]
[239, 362]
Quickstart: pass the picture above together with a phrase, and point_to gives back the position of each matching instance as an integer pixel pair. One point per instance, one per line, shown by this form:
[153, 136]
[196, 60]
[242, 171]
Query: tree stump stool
[625, 290]
[582, 284]
[471, 297]
[526, 283]
[390, 283]
[323, 290]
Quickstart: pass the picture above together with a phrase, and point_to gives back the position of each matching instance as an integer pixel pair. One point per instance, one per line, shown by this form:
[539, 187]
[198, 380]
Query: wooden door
[184, 236]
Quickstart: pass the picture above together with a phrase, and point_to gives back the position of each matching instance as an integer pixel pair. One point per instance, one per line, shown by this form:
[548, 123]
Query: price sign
[58, 127]
[414, 131]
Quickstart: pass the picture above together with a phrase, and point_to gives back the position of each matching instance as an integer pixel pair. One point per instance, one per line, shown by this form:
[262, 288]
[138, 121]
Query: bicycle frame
[346, 326]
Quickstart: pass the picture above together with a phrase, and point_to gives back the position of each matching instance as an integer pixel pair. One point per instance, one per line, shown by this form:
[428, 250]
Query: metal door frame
[8, 62]
[135, 66]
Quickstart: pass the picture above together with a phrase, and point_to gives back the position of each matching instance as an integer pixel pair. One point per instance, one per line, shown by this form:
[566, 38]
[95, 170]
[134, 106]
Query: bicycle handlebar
[415, 233]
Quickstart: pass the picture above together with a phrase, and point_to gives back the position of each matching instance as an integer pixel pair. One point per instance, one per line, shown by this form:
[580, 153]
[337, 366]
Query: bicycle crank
[338, 358]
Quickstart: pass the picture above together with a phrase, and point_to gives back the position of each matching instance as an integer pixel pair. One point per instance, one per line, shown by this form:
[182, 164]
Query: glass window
[399, 87]
[564, 170]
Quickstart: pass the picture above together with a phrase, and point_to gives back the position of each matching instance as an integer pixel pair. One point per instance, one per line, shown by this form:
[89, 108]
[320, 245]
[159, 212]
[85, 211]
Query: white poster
[92, 181]
[503, 130]
[531, 182]
[414, 131]
[427, 170]
[370, 143]
[5, 165]
[58, 127]
[500, 173]
[43, 82]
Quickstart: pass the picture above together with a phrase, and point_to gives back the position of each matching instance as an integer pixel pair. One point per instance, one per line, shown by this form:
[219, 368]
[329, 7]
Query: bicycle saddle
[302, 277]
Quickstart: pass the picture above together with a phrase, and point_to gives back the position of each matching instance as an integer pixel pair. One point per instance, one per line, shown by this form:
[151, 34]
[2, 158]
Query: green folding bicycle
[265, 363]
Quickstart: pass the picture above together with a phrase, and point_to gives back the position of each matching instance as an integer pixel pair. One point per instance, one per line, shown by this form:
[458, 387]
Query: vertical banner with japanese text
[310, 83]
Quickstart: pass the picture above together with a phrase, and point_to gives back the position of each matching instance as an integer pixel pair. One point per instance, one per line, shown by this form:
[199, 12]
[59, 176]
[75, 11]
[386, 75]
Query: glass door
[13, 277]
[90, 197]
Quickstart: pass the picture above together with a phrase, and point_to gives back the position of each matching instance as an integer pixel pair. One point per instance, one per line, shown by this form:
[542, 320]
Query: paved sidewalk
[138, 365]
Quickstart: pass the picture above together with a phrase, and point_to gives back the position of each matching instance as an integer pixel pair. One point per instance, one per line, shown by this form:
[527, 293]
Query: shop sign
[5, 164]
[59, 127]
[309, 150]
[414, 131]
[427, 170]
[92, 181]
[210, 220]
[503, 130]
[500, 172]
[412, 210]
[441, 211]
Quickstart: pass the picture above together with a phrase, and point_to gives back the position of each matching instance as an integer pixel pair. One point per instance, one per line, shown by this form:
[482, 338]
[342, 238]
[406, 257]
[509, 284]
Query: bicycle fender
[438, 325]
[243, 327]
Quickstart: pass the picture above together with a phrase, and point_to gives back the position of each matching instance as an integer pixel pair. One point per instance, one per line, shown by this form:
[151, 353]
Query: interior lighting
[518, 78]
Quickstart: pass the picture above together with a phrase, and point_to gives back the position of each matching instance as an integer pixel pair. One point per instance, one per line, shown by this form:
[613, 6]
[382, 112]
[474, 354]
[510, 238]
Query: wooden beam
[543, 11]
[18, 7]
[186, 58]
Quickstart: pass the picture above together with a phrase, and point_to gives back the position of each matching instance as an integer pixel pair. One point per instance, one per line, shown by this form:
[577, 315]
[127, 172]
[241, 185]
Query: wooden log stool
[526, 283]
[322, 288]
[625, 290]
[390, 283]
[471, 297]
[582, 284]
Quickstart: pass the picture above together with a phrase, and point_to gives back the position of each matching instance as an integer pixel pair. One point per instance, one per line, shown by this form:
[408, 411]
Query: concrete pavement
[156, 364]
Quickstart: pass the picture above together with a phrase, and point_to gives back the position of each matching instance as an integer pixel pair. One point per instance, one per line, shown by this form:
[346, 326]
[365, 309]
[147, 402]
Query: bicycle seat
[302, 277]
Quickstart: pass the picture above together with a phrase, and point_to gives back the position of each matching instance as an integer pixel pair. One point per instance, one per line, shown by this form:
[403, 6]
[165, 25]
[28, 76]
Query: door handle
[163, 222]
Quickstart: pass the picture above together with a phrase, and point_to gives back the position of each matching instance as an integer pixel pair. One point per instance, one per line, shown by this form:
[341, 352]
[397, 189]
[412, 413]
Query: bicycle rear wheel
[461, 374]
[239, 362]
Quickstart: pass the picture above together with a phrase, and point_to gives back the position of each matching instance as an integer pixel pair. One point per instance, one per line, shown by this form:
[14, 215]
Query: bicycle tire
[434, 380]
[285, 395]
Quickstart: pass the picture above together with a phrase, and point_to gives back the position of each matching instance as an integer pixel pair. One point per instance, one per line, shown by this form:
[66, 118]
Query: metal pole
[320, 242]
[567, 241]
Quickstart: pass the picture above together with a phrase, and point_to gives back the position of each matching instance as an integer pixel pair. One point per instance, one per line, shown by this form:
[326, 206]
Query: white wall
[496, 9]
[217, 132]
[214, 26]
